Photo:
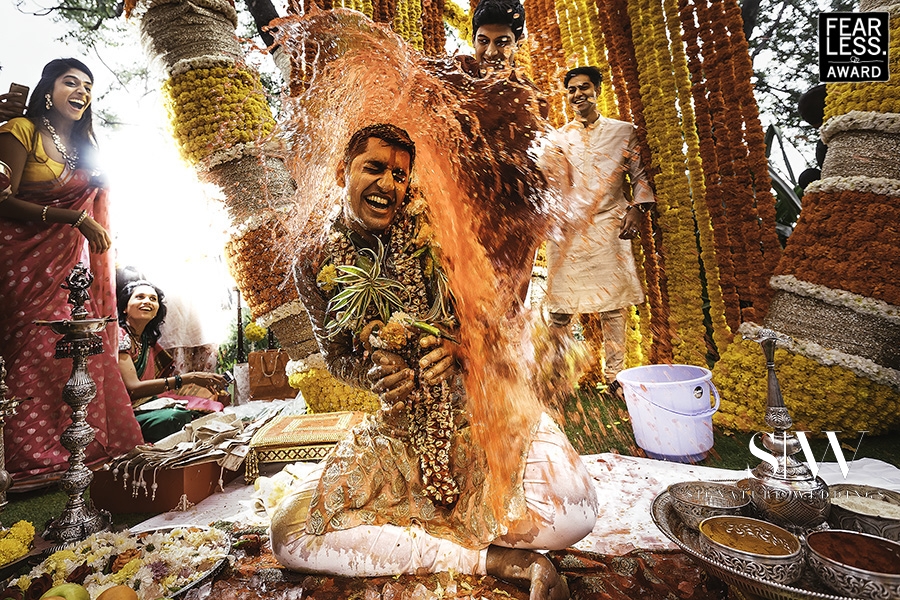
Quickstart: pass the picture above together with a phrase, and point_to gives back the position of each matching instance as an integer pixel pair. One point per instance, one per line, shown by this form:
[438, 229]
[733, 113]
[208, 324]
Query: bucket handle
[710, 412]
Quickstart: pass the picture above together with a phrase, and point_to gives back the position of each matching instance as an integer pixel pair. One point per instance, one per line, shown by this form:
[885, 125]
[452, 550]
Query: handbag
[268, 380]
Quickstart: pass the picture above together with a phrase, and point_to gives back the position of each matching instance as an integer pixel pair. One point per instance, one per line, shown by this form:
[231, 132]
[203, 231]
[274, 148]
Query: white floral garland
[257, 220]
[313, 361]
[828, 357]
[294, 307]
[860, 120]
[208, 61]
[884, 186]
[241, 150]
[860, 304]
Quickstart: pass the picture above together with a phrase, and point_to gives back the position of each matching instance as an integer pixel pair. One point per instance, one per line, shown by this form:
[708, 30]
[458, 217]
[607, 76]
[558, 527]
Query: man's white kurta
[596, 272]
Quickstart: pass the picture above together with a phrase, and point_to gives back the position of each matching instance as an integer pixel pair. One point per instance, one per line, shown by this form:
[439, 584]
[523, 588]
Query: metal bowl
[754, 547]
[698, 500]
[856, 564]
[865, 517]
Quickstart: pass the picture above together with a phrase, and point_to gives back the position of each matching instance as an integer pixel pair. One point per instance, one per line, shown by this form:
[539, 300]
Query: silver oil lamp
[79, 519]
[787, 494]
[7, 409]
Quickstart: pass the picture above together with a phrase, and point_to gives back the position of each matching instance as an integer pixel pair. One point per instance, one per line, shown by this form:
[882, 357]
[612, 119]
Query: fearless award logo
[853, 47]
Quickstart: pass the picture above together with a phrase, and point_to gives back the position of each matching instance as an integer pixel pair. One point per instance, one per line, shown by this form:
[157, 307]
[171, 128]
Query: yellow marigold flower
[23, 531]
[326, 278]
[11, 549]
[394, 335]
[254, 332]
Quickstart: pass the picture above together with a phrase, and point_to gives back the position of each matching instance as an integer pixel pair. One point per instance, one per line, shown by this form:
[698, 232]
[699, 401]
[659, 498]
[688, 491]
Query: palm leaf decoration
[363, 288]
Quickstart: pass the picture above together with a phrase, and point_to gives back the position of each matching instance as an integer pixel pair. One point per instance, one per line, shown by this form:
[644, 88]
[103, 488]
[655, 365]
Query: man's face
[495, 46]
[376, 182]
[582, 95]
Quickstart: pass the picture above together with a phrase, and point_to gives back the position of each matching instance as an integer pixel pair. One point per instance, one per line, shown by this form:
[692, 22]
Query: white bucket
[670, 410]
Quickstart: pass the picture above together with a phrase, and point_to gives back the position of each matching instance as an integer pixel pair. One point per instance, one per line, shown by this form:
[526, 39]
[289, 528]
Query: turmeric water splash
[475, 167]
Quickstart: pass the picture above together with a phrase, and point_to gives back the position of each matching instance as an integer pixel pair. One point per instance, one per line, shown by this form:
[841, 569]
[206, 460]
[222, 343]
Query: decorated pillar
[223, 126]
[836, 289]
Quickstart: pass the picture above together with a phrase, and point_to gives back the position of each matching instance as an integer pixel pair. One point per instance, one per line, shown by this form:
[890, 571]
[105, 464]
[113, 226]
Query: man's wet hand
[391, 377]
[440, 363]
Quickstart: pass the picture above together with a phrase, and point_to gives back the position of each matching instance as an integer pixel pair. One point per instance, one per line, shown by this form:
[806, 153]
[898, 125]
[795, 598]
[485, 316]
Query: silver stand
[78, 519]
[7, 409]
[787, 495]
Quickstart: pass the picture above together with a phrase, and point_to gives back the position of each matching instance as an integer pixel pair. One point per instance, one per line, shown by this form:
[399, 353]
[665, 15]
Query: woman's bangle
[167, 384]
[80, 219]
[178, 382]
[44, 214]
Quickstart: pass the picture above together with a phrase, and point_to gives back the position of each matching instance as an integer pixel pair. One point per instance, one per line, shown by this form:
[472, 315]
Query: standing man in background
[596, 272]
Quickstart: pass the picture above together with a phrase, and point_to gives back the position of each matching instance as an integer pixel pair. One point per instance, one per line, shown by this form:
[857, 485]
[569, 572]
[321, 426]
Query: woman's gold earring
[48, 102]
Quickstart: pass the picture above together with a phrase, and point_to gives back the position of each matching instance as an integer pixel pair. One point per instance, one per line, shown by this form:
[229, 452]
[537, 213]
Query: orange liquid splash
[488, 202]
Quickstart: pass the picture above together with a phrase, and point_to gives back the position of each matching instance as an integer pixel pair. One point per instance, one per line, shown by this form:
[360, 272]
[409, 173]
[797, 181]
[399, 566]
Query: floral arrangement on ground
[155, 564]
[15, 542]
[819, 397]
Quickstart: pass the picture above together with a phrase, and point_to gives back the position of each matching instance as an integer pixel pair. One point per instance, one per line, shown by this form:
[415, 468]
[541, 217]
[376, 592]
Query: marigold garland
[810, 391]
[323, 393]
[722, 335]
[672, 187]
[434, 38]
[549, 60]
[458, 18]
[841, 242]
[709, 160]
[617, 32]
[212, 109]
[260, 268]
[741, 156]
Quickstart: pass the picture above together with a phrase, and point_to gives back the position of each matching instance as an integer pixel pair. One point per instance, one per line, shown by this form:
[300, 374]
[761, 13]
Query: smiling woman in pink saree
[56, 217]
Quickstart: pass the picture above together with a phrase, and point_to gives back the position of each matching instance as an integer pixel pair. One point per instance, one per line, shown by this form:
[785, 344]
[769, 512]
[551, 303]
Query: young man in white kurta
[595, 272]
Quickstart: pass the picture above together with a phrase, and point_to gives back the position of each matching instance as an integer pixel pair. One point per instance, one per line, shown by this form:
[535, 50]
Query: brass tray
[666, 518]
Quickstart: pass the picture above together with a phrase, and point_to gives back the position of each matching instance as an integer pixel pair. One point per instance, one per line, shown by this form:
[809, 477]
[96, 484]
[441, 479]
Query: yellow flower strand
[658, 91]
[458, 18]
[414, 12]
[809, 389]
[722, 334]
[214, 109]
[367, 8]
[565, 31]
[523, 59]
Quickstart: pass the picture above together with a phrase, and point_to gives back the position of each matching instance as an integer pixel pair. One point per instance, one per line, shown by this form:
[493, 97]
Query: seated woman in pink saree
[56, 217]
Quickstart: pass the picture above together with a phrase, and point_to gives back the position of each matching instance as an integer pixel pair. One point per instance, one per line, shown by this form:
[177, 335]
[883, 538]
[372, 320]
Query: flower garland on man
[411, 478]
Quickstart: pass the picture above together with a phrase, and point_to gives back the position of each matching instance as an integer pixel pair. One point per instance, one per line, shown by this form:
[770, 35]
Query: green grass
[40, 506]
[598, 422]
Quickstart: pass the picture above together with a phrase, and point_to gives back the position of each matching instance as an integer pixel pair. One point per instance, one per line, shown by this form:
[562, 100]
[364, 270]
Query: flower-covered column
[223, 125]
[837, 291]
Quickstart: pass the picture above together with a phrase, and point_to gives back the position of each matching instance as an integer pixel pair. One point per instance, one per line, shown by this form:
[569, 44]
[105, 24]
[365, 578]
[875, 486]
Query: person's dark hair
[499, 12]
[386, 132]
[151, 332]
[593, 73]
[83, 129]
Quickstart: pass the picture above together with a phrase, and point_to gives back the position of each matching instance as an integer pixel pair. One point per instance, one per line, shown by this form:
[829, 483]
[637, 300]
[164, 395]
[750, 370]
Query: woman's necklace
[71, 159]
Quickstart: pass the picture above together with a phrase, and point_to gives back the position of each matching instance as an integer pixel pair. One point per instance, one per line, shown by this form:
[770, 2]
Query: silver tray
[37, 557]
[666, 518]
